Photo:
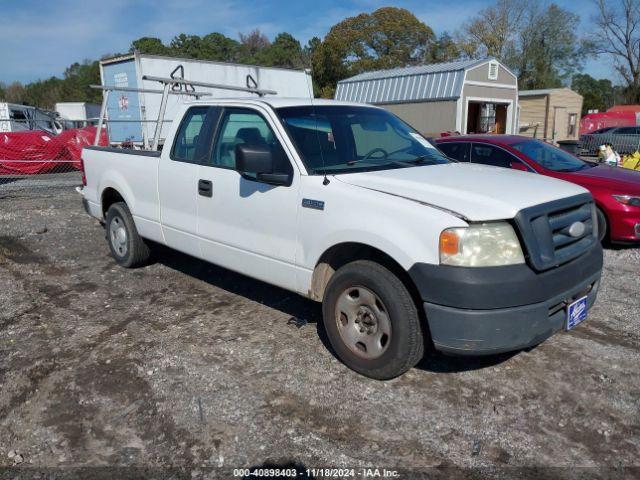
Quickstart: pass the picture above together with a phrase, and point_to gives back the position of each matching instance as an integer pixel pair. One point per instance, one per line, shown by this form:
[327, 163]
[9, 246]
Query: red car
[615, 190]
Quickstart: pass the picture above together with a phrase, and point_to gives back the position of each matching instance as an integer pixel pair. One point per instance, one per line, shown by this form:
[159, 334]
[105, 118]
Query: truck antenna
[309, 71]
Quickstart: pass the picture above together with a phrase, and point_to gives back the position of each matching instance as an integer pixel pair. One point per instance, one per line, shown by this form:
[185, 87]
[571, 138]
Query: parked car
[616, 190]
[624, 140]
[348, 205]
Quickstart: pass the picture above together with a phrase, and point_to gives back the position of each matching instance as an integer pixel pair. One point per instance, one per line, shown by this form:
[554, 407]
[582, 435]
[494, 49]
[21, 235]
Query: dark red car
[616, 190]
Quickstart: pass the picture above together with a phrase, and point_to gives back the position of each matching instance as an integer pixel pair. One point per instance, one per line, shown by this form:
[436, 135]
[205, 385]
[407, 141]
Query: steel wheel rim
[118, 236]
[363, 322]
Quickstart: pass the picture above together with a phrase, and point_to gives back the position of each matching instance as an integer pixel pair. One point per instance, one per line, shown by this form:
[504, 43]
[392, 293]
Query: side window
[193, 140]
[490, 155]
[457, 150]
[626, 131]
[245, 126]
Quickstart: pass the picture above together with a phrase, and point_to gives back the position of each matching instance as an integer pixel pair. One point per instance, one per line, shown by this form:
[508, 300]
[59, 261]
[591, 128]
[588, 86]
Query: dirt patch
[182, 368]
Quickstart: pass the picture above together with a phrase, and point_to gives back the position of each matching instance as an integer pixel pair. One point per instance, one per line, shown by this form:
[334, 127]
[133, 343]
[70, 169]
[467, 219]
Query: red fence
[37, 151]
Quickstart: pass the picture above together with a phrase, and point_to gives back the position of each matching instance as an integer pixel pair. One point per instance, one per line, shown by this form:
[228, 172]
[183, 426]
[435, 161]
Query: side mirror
[519, 166]
[257, 162]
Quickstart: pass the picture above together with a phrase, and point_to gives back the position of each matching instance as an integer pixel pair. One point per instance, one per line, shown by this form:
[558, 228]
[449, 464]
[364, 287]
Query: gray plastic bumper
[483, 332]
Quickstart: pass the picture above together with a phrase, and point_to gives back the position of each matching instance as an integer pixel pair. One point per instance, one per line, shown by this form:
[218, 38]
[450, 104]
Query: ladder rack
[169, 88]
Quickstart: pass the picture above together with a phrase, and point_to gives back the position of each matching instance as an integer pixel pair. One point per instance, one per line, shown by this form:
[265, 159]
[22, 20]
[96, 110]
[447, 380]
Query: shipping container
[132, 115]
[77, 114]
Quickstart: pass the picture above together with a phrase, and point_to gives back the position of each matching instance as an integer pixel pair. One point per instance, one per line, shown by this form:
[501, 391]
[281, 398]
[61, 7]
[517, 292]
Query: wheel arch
[605, 214]
[340, 254]
[108, 197]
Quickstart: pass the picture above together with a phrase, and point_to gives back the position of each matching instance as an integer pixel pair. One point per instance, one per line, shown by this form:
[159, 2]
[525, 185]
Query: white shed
[471, 96]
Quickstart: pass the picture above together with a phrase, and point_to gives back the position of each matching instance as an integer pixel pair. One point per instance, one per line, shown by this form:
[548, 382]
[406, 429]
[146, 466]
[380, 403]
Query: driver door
[245, 225]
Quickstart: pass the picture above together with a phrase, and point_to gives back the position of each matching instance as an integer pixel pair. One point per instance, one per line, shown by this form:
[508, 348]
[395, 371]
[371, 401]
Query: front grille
[559, 231]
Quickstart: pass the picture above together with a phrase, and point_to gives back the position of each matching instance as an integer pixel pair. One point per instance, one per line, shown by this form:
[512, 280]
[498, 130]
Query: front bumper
[481, 311]
[626, 229]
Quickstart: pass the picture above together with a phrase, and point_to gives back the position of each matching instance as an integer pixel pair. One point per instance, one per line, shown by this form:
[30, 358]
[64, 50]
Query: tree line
[541, 44]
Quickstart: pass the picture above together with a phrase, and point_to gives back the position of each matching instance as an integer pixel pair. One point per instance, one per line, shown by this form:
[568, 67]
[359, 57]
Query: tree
[387, 38]
[548, 51]
[617, 34]
[328, 68]
[445, 49]
[188, 46]
[285, 51]
[251, 44]
[538, 43]
[493, 32]
[219, 47]
[309, 49]
[597, 94]
[77, 79]
[149, 45]
[14, 92]
[45, 93]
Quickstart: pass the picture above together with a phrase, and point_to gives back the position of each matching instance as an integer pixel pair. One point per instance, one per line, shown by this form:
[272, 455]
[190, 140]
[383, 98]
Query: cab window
[245, 126]
[193, 140]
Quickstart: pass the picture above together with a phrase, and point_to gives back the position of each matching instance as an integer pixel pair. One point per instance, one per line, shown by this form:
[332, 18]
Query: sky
[39, 39]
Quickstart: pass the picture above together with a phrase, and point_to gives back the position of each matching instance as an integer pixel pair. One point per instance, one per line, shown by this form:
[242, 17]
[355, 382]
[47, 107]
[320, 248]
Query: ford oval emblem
[577, 229]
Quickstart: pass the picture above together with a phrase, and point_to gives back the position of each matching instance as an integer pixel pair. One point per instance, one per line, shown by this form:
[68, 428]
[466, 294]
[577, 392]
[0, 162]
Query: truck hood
[474, 192]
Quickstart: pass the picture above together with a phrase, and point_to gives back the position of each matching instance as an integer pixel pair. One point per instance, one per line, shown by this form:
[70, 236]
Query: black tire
[404, 346]
[602, 225]
[129, 250]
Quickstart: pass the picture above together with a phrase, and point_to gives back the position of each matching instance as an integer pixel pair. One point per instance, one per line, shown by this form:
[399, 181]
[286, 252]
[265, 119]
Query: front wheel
[372, 321]
[126, 245]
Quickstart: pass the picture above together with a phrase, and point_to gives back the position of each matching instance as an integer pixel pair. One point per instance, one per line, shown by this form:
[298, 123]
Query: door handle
[205, 188]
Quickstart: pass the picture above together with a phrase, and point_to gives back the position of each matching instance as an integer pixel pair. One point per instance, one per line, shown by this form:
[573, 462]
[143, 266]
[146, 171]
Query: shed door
[501, 119]
[560, 123]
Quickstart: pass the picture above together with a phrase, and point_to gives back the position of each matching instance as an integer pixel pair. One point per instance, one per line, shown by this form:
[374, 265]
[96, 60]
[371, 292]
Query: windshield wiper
[356, 160]
[413, 162]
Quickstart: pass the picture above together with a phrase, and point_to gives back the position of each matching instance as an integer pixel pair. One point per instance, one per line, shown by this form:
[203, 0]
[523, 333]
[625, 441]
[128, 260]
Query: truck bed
[126, 171]
[126, 151]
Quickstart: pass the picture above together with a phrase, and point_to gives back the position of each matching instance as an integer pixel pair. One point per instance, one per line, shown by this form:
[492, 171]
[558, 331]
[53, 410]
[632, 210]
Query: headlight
[628, 200]
[480, 245]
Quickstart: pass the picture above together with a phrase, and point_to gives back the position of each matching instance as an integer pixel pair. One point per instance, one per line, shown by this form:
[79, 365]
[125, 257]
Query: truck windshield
[346, 139]
[550, 157]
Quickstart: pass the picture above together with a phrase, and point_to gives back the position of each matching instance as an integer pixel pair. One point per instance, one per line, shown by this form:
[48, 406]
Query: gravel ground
[185, 369]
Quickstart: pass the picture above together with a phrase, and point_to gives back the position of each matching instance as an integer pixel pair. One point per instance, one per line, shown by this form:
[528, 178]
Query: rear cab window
[193, 140]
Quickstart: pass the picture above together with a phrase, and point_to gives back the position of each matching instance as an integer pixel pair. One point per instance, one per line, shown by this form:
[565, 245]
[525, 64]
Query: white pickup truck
[347, 205]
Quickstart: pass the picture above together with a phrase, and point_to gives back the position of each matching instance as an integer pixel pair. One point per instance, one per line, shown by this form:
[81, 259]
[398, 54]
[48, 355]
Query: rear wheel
[602, 225]
[126, 245]
[372, 321]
